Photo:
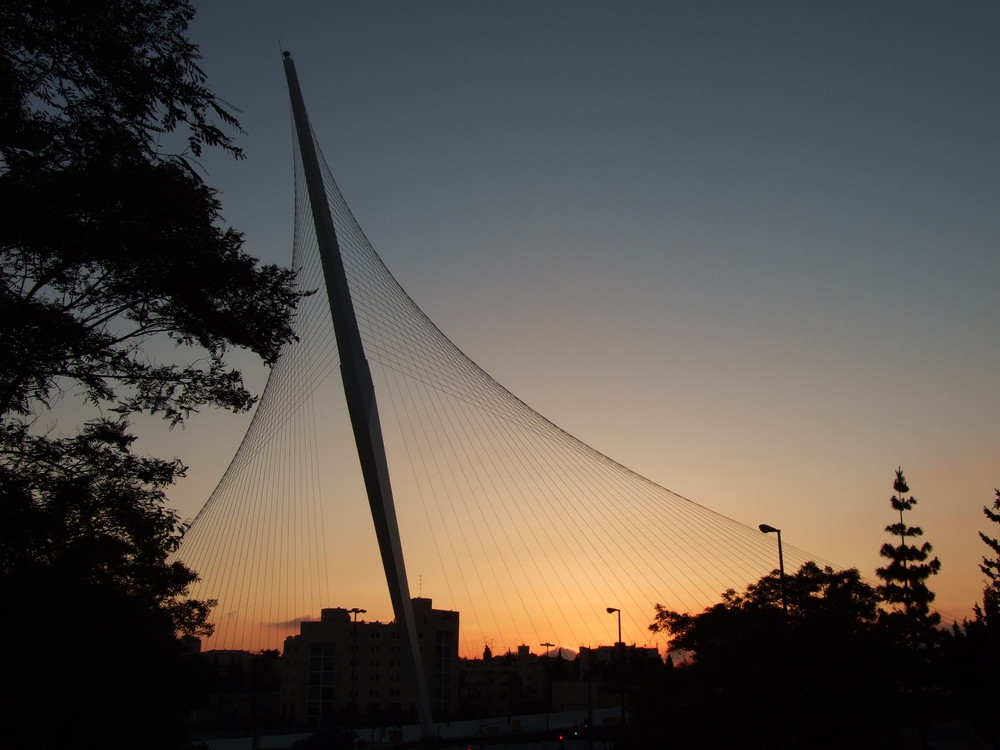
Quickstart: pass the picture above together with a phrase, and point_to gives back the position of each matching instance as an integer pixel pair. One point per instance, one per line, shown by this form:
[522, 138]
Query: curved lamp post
[612, 610]
[781, 563]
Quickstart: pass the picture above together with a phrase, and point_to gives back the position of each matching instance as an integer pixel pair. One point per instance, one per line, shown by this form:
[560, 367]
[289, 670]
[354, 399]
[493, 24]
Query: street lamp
[612, 610]
[621, 660]
[548, 705]
[354, 657]
[781, 563]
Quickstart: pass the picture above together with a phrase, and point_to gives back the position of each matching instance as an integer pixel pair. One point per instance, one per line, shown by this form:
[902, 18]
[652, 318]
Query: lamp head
[768, 529]
[613, 609]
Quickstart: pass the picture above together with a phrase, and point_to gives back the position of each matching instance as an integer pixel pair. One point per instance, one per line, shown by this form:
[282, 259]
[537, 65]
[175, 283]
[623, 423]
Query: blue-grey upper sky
[748, 249]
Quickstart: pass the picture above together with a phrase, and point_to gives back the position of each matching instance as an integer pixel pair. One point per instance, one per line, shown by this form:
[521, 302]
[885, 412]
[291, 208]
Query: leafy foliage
[100, 78]
[84, 540]
[107, 242]
[87, 512]
[120, 287]
[752, 672]
[838, 670]
[110, 251]
[818, 599]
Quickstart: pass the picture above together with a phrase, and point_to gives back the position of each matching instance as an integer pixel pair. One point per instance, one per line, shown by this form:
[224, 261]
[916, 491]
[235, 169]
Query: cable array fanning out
[526, 531]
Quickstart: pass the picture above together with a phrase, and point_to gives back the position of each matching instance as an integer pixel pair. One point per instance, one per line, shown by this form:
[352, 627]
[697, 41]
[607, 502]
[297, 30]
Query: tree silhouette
[836, 670]
[107, 242]
[989, 612]
[904, 586]
[974, 650]
[111, 246]
[753, 674]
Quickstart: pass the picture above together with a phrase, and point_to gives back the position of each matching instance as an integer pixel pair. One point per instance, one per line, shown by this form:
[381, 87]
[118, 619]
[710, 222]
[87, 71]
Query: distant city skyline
[747, 252]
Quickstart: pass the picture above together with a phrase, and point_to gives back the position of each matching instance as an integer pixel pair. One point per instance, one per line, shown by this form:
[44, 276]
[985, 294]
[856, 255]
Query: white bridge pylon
[525, 530]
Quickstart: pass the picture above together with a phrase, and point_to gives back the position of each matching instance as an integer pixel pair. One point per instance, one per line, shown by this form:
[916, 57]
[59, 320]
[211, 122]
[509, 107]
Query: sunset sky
[749, 250]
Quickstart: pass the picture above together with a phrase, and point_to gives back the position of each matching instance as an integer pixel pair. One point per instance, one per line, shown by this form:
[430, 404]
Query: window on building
[320, 681]
[444, 643]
